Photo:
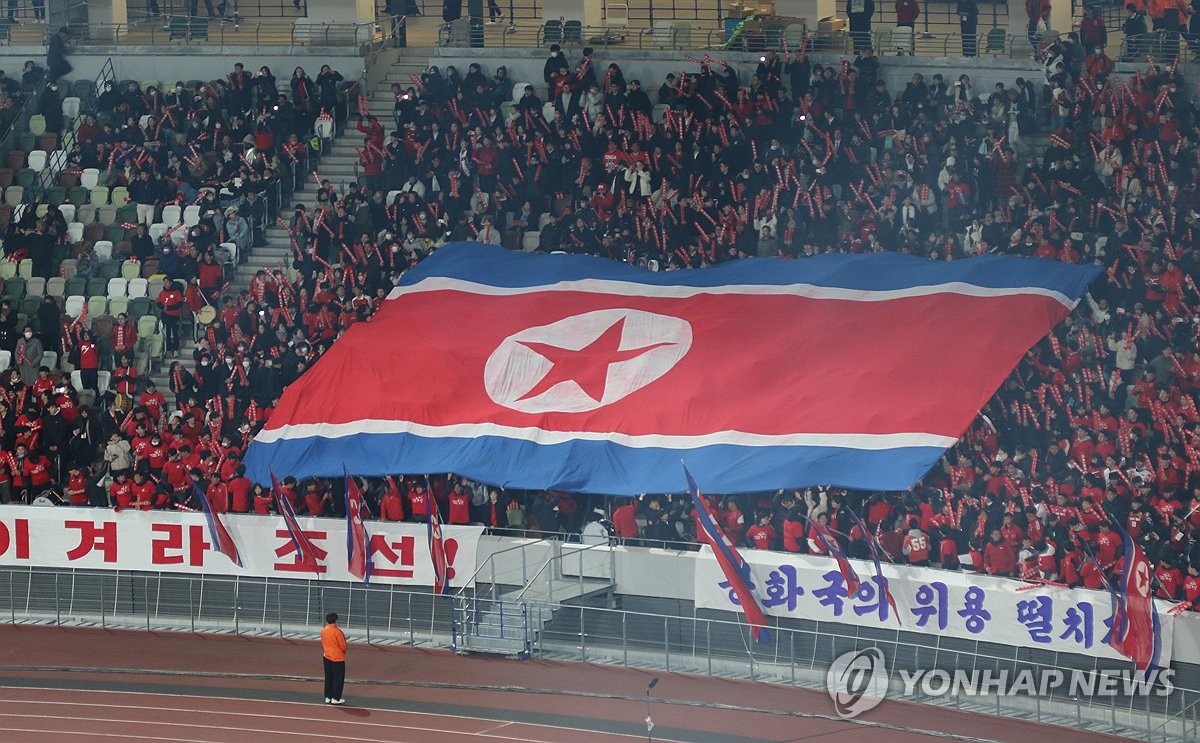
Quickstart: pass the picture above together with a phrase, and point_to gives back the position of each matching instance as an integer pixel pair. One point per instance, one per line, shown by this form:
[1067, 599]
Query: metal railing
[800, 653]
[48, 178]
[20, 123]
[686, 38]
[202, 31]
[553, 569]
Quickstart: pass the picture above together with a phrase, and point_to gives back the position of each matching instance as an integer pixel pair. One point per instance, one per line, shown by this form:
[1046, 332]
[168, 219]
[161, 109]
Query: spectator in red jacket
[999, 557]
[625, 521]
[1092, 32]
[762, 535]
[907, 12]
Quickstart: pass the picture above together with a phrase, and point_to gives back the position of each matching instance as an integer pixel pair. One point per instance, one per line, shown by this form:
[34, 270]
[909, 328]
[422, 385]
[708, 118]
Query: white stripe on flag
[810, 291]
[859, 441]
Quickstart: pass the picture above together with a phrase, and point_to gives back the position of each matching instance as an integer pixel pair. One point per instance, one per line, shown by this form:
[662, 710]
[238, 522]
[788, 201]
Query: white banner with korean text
[936, 602]
[176, 542]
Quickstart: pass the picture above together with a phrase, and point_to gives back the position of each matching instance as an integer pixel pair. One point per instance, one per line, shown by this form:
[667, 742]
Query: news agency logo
[857, 682]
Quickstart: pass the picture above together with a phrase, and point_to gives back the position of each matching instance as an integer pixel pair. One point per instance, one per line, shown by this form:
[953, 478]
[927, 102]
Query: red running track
[109, 685]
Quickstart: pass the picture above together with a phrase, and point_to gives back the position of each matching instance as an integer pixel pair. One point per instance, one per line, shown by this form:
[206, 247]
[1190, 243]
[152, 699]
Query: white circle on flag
[586, 361]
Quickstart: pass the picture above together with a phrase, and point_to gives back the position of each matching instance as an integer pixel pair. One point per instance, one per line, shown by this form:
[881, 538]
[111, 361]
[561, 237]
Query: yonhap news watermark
[859, 680]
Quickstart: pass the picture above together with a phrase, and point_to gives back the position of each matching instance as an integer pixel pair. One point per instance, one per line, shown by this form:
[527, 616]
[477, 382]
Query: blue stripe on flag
[524, 464]
[496, 266]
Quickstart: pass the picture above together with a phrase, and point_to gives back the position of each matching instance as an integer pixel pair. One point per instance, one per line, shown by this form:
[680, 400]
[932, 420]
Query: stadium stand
[169, 245]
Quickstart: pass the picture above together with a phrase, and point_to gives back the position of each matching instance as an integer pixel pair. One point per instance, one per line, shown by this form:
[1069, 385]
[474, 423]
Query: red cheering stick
[363, 106]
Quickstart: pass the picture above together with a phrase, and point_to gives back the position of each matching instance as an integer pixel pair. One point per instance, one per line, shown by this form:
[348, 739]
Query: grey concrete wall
[651, 67]
[189, 63]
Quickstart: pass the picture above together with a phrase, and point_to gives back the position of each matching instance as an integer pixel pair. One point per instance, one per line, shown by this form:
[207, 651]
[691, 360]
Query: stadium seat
[75, 232]
[14, 287]
[80, 197]
[35, 286]
[172, 214]
[5, 359]
[93, 231]
[48, 142]
[6, 177]
[324, 129]
[89, 178]
[106, 215]
[29, 307]
[37, 125]
[233, 252]
[97, 306]
[97, 287]
[42, 210]
[25, 178]
[68, 212]
[117, 287]
[191, 215]
[50, 359]
[147, 326]
[83, 88]
[391, 197]
[118, 306]
[108, 270]
[118, 196]
[14, 195]
[8, 269]
[130, 270]
[70, 107]
[115, 232]
[138, 287]
[56, 163]
[76, 285]
[56, 287]
[103, 250]
[25, 268]
[37, 160]
[73, 306]
[99, 195]
[141, 306]
[531, 240]
[156, 231]
[126, 214]
[154, 286]
[16, 160]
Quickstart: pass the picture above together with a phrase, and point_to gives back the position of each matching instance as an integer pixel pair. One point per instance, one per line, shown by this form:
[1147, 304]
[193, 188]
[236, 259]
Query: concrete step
[494, 646]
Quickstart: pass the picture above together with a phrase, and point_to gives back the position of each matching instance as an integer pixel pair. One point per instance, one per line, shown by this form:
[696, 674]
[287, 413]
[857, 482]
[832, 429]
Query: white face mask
[28, 335]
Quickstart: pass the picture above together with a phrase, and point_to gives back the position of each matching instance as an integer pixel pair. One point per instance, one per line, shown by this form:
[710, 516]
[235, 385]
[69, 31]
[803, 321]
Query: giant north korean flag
[578, 373]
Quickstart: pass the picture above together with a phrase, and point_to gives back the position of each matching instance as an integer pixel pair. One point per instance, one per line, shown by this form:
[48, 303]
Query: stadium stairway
[278, 250]
[339, 166]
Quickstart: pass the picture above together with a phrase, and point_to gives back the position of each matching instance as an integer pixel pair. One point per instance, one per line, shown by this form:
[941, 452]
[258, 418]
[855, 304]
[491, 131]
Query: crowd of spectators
[1095, 429]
